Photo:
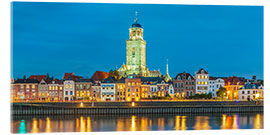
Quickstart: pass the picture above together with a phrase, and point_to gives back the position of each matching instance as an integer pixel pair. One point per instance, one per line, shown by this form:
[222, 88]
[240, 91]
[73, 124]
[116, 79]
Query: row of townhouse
[45, 88]
[102, 87]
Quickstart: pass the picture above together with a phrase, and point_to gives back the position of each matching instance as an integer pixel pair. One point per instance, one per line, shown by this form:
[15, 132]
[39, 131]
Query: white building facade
[202, 82]
[251, 92]
[69, 90]
[214, 85]
[108, 92]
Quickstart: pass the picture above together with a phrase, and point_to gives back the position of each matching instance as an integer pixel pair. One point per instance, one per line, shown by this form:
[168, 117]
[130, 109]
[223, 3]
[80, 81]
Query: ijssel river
[147, 122]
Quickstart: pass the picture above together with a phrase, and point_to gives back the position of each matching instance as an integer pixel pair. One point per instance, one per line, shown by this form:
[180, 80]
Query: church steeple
[167, 76]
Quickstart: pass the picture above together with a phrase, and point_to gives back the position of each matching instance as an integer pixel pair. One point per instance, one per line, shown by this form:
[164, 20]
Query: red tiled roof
[71, 76]
[233, 81]
[37, 77]
[99, 75]
[200, 71]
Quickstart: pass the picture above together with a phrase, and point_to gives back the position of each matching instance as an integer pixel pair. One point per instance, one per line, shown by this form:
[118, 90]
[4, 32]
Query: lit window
[60, 88]
[133, 83]
[199, 77]
[202, 83]
[70, 86]
[56, 88]
[128, 84]
[205, 82]
[202, 77]
[33, 86]
[206, 77]
[50, 88]
[66, 86]
[199, 82]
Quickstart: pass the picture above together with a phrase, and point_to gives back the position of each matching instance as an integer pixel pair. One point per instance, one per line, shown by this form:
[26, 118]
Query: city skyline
[80, 37]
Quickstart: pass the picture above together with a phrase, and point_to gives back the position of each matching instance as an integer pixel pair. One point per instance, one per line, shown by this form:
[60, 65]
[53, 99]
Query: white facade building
[202, 82]
[107, 92]
[171, 90]
[108, 89]
[214, 85]
[251, 92]
[69, 90]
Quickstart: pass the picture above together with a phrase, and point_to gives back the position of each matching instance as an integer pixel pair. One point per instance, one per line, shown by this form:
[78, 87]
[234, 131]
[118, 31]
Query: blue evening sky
[56, 38]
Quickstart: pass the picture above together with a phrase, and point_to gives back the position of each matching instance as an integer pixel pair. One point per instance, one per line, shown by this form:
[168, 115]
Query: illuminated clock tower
[135, 51]
[136, 60]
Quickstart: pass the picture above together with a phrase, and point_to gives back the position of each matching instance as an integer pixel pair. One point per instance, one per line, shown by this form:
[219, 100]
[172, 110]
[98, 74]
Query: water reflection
[136, 122]
[34, 126]
[202, 123]
[180, 123]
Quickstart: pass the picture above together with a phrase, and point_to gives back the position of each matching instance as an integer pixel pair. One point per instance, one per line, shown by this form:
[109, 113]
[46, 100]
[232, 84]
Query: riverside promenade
[140, 107]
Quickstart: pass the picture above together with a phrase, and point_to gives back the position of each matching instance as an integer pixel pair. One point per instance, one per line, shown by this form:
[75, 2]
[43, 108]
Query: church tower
[136, 50]
[167, 76]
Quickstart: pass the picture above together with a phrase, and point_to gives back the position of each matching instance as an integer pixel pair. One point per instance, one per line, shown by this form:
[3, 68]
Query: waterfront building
[184, 85]
[42, 86]
[171, 89]
[121, 90]
[163, 88]
[214, 84]
[95, 91]
[43, 93]
[108, 89]
[202, 82]
[145, 90]
[232, 85]
[69, 90]
[251, 91]
[133, 88]
[152, 83]
[83, 89]
[56, 88]
[25, 89]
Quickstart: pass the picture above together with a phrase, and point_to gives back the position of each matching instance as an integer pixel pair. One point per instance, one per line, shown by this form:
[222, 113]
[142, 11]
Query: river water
[148, 122]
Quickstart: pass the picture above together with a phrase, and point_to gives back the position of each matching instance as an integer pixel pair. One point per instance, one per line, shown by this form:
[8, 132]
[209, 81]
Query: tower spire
[136, 17]
[167, 67]
[167, 76]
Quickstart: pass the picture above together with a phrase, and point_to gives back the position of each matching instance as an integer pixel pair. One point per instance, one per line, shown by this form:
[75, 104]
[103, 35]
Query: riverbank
[143, 107]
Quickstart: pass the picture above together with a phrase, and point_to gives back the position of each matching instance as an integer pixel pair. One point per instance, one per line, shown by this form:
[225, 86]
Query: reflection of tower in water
[34, 126]
[180, 123]
[48, 125]
[202, 123]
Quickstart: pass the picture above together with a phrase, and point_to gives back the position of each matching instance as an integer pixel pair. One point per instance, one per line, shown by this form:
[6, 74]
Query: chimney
[24, 77]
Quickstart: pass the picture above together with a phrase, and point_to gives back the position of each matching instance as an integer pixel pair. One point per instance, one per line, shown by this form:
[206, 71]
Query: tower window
[133, 51]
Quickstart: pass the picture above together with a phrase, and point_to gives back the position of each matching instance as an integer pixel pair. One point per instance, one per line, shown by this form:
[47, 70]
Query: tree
[115, 73]
[221, 92]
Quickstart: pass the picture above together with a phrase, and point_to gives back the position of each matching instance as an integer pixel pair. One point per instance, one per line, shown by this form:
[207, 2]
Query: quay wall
[87, 108]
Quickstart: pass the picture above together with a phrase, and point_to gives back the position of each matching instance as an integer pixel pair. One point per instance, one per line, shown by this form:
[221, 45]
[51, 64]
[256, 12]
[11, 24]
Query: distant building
[43, 93]
[232, 84]
[152, 84]
[171, 89]
[69, 89]
[108, 89]
[251, 91]
[56, 88]
[121, 90]
[202, 82]
[95, 91]
[133, 88]
[163, 88]
[214, 84]
[25, 89]
[184, 85]
[83, 89]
